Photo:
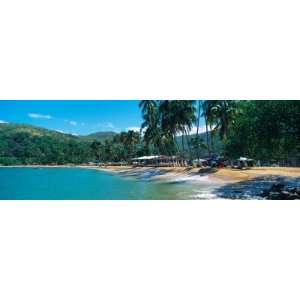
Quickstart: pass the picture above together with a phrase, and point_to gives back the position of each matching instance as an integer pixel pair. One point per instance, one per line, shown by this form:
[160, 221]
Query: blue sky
[76, 117]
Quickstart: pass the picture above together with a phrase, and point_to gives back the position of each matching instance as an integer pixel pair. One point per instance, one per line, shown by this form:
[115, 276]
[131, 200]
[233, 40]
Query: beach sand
[225, 183]
[225, 175]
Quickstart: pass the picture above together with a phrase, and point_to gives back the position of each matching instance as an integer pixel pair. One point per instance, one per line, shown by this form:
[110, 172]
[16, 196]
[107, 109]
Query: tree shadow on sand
[253, 189]
[144, 174]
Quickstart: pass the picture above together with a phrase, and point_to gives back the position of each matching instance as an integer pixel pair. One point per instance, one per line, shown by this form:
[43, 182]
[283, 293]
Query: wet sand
[225, 175]
[223, 183]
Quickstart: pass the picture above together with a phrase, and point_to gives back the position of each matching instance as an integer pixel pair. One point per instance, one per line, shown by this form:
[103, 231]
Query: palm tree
[205, 114]
[222, 114]
[177, 117]
[186, 119]
[168, 123]
[153, 133]
[198, 144]
[165, 119]
[132, 140]
[198, 117]
[96, 149]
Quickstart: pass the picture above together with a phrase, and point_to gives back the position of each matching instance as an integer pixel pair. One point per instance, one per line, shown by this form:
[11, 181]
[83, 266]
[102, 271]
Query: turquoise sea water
[79, 184]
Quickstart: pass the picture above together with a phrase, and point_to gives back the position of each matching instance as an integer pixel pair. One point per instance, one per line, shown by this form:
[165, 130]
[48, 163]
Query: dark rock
[277, 187]
[274, 196]
[284, 195]
[293, 197]
[265, 193]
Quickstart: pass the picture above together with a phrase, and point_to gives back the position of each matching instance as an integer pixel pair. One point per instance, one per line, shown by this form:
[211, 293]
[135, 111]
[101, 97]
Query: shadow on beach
[154, 173]
[253, 188]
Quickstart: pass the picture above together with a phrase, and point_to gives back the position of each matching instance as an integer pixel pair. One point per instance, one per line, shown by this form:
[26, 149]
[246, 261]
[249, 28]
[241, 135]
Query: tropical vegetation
[263, 130]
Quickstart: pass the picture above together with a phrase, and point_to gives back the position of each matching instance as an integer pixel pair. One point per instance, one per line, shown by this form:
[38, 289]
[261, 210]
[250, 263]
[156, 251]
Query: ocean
[85, 184]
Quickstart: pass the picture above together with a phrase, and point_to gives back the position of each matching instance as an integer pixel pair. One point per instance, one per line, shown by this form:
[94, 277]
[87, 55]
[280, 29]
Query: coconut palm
[222, 114]
[177, 117]
[198, 144]
[186, 118]
[207, 115]
[151, 127]
[198, 116]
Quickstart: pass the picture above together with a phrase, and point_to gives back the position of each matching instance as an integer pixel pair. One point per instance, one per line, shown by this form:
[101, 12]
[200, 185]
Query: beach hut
[244, 162]
[200, 162]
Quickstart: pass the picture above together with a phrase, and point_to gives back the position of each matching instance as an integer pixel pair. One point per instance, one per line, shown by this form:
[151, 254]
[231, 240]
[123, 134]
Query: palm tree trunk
[198, 125]
[212, 141]
[207, 136]
[198, 121]
[176, 144]
[188, 142]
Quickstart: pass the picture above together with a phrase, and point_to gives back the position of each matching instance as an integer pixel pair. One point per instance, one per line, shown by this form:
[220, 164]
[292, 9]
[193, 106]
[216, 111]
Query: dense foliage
[20, 144]
[265, 130]
[23, 144]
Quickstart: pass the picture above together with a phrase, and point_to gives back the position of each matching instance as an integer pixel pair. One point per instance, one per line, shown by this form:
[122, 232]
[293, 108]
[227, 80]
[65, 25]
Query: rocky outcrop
[280, 191]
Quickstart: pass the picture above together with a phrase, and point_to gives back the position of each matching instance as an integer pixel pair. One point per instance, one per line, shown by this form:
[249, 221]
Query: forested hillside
[101, 136]
[23, 144]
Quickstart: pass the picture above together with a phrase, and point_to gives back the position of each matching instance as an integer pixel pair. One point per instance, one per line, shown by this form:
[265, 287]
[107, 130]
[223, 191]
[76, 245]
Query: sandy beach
[225, 175]
[217, 183]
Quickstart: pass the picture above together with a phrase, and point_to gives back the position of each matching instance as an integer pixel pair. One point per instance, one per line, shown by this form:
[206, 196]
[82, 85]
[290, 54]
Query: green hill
[217, 144]
[101, 136]
[24, 144]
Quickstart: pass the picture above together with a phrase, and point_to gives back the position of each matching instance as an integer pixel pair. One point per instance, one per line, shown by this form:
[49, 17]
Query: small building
[200, 162]
[244, 163]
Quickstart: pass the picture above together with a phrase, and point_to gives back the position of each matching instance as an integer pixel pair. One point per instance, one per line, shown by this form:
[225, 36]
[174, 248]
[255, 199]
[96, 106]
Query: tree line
[263, 130]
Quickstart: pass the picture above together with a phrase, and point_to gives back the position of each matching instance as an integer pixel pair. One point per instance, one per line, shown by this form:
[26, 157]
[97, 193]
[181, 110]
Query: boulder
[274, 196]
[293, 197]
[284, 195]
[277, 187]
[265, 193]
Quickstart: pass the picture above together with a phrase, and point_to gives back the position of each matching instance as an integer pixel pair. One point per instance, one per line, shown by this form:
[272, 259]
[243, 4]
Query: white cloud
[109, 125]
[202, 129]
[3, 122]
[60, 131]
[39, 116]
[73, 123]
[133, 128]
[71, 133]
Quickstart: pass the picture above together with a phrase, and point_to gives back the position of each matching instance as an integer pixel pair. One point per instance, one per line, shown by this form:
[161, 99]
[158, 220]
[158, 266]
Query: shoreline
[225, 175]
[225, 183]
[218, 176]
